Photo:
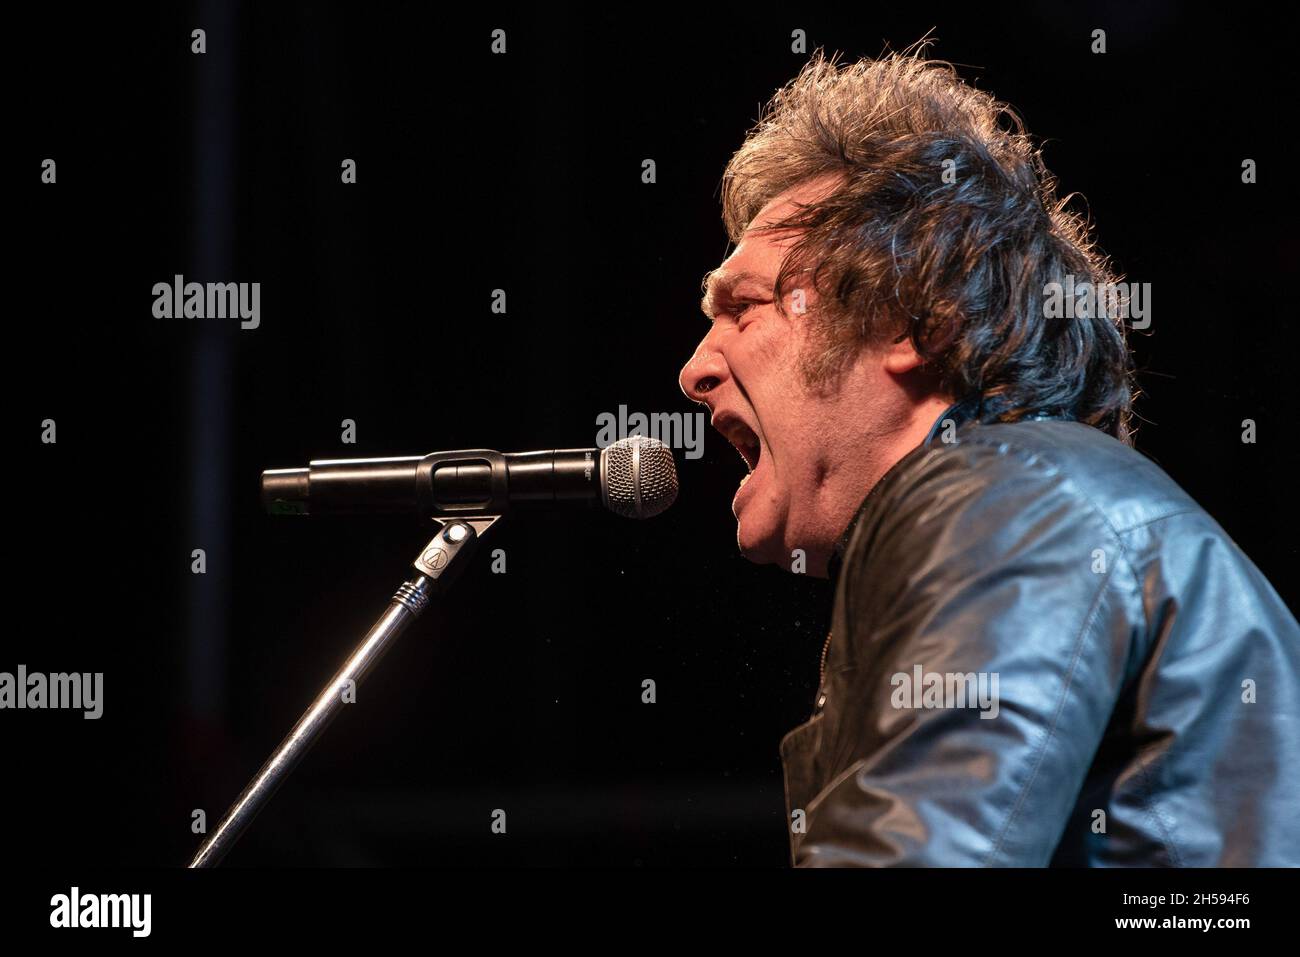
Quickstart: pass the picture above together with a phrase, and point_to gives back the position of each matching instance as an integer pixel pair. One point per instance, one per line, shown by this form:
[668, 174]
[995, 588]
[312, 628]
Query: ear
[900, 356]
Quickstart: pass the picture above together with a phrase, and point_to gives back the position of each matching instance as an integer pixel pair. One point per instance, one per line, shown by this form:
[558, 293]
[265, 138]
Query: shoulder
[1017, 464]
[1055, 506]
[1056, 510]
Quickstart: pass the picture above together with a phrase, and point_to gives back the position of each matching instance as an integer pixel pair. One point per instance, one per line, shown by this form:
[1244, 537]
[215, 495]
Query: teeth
[749, 451]
[743, 440]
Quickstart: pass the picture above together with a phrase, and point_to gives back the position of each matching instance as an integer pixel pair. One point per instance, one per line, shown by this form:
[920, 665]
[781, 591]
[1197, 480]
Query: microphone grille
[638, 477]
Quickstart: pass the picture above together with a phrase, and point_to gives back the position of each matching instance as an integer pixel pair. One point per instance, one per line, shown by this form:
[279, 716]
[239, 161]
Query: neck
[845, 487]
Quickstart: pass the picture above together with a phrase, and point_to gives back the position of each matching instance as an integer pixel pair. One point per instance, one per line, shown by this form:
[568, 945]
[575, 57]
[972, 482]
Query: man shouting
[1042, 650]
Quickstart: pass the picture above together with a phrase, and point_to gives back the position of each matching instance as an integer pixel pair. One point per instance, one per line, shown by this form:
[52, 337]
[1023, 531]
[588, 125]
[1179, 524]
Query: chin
[761, 542]
[763, 536]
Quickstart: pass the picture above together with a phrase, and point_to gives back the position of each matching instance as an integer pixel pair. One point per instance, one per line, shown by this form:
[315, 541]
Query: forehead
[761, 250]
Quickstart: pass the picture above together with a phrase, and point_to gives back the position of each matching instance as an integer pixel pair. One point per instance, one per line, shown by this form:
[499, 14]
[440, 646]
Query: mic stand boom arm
[437, 565]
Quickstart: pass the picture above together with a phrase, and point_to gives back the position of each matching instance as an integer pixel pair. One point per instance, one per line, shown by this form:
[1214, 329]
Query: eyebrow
[719, 284]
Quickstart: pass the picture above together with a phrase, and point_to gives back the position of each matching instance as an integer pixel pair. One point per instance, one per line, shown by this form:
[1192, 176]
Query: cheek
[764, 354]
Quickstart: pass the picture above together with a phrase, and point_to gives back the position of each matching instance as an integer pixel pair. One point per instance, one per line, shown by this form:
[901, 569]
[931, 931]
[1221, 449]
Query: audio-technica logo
[103, 910]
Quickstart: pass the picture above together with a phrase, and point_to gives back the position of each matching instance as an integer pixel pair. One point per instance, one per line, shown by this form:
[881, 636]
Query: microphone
[635, 478]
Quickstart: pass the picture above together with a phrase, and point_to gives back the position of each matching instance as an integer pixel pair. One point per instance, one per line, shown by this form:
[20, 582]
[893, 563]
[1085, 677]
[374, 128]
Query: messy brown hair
[943, 226]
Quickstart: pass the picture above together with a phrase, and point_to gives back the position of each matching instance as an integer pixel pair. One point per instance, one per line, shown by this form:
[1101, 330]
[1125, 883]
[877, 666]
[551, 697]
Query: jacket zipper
[875, 491]
[821, 677]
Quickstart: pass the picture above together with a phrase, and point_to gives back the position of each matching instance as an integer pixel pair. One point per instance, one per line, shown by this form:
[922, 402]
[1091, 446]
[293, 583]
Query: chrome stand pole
[435, 566]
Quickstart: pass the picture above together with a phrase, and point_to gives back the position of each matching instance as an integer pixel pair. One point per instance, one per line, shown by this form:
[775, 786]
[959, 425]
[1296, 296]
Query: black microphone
[635, 478]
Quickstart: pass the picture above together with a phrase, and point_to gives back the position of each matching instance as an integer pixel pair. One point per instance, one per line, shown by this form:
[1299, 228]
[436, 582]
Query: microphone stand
[436, 566]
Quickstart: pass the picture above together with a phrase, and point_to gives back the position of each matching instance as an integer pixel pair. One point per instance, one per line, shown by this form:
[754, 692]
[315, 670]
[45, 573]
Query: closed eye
[740, 308]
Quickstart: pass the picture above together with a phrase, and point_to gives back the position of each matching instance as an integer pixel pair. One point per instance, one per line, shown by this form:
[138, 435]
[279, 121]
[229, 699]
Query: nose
[704, 371]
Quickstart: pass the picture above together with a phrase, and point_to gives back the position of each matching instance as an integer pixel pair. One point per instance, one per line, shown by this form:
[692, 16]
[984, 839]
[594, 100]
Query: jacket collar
[973, 408]
[959, 413]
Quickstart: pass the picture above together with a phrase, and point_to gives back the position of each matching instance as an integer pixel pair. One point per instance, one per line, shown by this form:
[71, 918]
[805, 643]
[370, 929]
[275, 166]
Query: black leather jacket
[1147, 705]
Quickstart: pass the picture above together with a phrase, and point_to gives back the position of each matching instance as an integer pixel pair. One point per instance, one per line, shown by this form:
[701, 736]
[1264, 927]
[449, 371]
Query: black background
[519, 172]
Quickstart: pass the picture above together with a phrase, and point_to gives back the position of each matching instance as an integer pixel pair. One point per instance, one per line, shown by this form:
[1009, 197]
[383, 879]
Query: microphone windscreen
[638, 477]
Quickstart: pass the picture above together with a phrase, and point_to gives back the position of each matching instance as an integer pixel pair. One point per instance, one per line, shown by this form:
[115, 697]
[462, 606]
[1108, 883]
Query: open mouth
[743, 438]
